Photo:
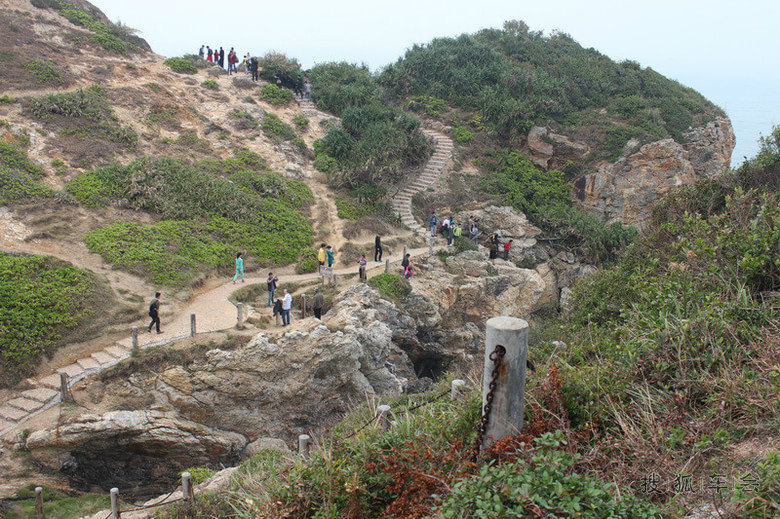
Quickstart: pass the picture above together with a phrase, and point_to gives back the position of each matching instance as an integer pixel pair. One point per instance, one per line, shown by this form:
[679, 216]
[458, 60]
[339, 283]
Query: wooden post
[240, 316]
[186, 487]
[404, 254]
[335, 281]
[383, 416]
[387, 265]
[39, 501]
[457, 389]
[303, 445]
[135, 338]
[430, 246]
[66, 396]
[506, 414]
[303, 306]
[192, 325]
[115, 512]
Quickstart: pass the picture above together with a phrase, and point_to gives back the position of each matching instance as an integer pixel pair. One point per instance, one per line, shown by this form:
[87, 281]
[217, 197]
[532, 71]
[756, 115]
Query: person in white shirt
[286, 306]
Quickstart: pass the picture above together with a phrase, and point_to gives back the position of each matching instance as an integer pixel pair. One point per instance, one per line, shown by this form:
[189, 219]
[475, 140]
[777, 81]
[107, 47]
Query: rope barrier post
[186, 487]
[303, 445]
[115, 513]
[135, 338]
[383, 416]
[192, 325]
[387, 265]
[430, 246]
[303, 306]
[404, 254]
[38, 501]
[240, 315]
[66, 396]
[335, 281]
[457, 389]
[503, 389]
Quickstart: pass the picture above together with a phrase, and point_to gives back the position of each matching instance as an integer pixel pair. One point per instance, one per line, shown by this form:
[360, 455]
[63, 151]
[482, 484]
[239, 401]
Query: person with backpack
[322, 255]
[253, 66]
[408, 271]
[154, 313]
[239, 268]
[271, 281]
[493, 243]
[232, 60]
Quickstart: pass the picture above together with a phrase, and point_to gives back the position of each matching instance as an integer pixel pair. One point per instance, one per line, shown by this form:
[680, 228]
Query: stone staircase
[307, 108]
[402, 201]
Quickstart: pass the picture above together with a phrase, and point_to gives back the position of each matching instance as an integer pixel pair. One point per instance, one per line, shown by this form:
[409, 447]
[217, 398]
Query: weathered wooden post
[457, 389]
[115, 512]
[240, 316]
[39, 501]
[335, 281]
[303, 445]
[383, 416]
[503, 388]
[303, 306]
[430, 246]
[135, 339]
[387, 265]
[64, 389]
[192, 325]
[186, 487]
[404, 254]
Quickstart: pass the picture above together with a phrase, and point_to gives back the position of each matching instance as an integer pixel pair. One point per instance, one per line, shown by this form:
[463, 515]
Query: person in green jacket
[239, 268]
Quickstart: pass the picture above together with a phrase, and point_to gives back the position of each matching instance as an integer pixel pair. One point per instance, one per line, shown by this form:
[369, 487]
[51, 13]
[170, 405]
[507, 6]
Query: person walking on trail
[286, 306]
[507, 246]
[239, 267]
[362, 267]
[458, 231]
[330, 254]
[271, 281]
[322, 255]
[406, 261]
[408, 271]
[493, 244]
[154, 313]
[222, 57]
[317, 303]
[253, 67]
[474, 232]
[307, 90]
[377, 249]
[432, 223]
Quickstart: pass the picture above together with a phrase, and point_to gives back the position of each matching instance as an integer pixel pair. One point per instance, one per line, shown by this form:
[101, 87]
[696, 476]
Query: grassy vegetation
[275, 95]
[353, 210]
[210, 84]
[19, 176]
[276, 129]
[89, 112]
[390, 285]
[39, 298]
[45, 71]
[56, 504]
[112, 37]
[210, 210]
[181, 65]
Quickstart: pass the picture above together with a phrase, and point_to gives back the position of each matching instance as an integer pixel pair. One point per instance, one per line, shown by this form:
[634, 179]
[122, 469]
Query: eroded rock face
[546, 148]
[627, 189]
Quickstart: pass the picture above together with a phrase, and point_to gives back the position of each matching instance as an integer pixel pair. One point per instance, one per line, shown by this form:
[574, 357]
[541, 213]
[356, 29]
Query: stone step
[42, 394]
[102, 358]
[25, 404]
[88, 363]
[73, 370]
[11, 414]
[51, 382]
[5, 425]
[118, 351]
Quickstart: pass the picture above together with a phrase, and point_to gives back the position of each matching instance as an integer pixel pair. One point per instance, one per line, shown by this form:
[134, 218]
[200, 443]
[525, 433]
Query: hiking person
[277, 310]
[362, 267]
[408, 271]
[451, 229]
[232, 60]
[253, 66]
[377, 249]
[209, 55]
[322, 255]
[239, 267]
[474, 232]
[202, 52]
[507, 246]
[286, 306]
[432, 222]
[271, 282]
[330, 254]
[457, 231]
[317, 303]
[222, 57]
[493, 244]
[406, 261]
[307, 90]
[154, 312]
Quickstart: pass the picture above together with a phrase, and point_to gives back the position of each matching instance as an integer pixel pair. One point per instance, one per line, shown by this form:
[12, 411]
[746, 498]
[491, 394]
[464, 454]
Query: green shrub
[337, 86]
[307, 262]
[181, 65]
[462, 135]
[276, 129]
[277, 65]
[199, 474]
[390, 285]
[56, 504]
[350, 210]
[210, 84]
[39, 298]
[325, 163]
[19, 176]
[45, 71]
[428, 105]
[95, 189]
[300, 121]
[275, 95]
[7, 100]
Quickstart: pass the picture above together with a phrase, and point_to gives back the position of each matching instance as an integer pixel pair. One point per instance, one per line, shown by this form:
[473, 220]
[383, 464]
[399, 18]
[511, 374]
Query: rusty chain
[497, 356]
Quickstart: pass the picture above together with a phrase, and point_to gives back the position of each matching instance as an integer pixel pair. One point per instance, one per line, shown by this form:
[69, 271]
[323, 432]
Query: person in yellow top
[322, 255]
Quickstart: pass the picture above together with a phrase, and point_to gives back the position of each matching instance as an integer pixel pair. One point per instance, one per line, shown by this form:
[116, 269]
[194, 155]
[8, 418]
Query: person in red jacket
[507, 246]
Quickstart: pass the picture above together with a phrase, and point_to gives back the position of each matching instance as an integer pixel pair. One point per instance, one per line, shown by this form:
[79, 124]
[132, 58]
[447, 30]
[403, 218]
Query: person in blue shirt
[239, 268]
[433, 221]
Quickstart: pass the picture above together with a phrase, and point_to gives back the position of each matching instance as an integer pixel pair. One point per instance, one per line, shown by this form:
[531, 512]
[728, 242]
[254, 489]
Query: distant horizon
[722, 50]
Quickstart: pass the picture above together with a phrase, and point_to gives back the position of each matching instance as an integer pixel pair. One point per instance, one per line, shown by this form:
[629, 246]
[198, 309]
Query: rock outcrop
[626, 190]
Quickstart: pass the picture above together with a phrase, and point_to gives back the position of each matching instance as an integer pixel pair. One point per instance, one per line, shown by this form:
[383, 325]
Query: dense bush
[181, 65]
[19, 176]
[276, 65]
[44, 71]
[390, 285]
[39, 298]
[337, 86]
[275, 95]
[353, 210]
[210, 84]
[276, 129]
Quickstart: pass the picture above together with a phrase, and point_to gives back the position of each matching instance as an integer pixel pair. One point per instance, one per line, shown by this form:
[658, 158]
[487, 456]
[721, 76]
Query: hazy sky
[727, 50]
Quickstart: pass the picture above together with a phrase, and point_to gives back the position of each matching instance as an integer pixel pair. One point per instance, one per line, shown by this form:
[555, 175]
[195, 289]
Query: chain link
[497, 356]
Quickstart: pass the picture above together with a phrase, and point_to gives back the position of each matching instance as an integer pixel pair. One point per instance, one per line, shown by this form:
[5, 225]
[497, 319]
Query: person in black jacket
[253, 66]
[377, 248]
[154, 313]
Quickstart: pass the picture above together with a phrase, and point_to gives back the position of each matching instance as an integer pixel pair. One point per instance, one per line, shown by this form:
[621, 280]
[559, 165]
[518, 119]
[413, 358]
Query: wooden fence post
[506, 413]
[135, 338]
[115, 512]
[335, 281]
[186, 487]
[192, 325]
[303, 445]
[240, 314]
[39, 501]
[387, 265]
[64, 389]
[303, 306]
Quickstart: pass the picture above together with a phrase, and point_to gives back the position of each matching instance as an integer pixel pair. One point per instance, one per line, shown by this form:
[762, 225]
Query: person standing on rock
[286, 306]
[202, 51]
[458, 231]
[433, 222]
[209, 54]
[507, 246]
[222, 57]
[493, 243]
[362, 267]
[408, 271]
[317, 303]
[239, 267]
[232, 60]
[154, 313]
[253, 66]
[271, 281]
[474, 232]
[377, 249]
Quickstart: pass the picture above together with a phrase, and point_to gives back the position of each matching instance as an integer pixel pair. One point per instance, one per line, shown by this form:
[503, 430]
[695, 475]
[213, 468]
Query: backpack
[153, 308]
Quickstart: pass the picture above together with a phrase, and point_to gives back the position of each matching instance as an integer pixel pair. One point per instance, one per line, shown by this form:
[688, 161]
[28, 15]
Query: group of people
[452, 229]
[248, 63]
